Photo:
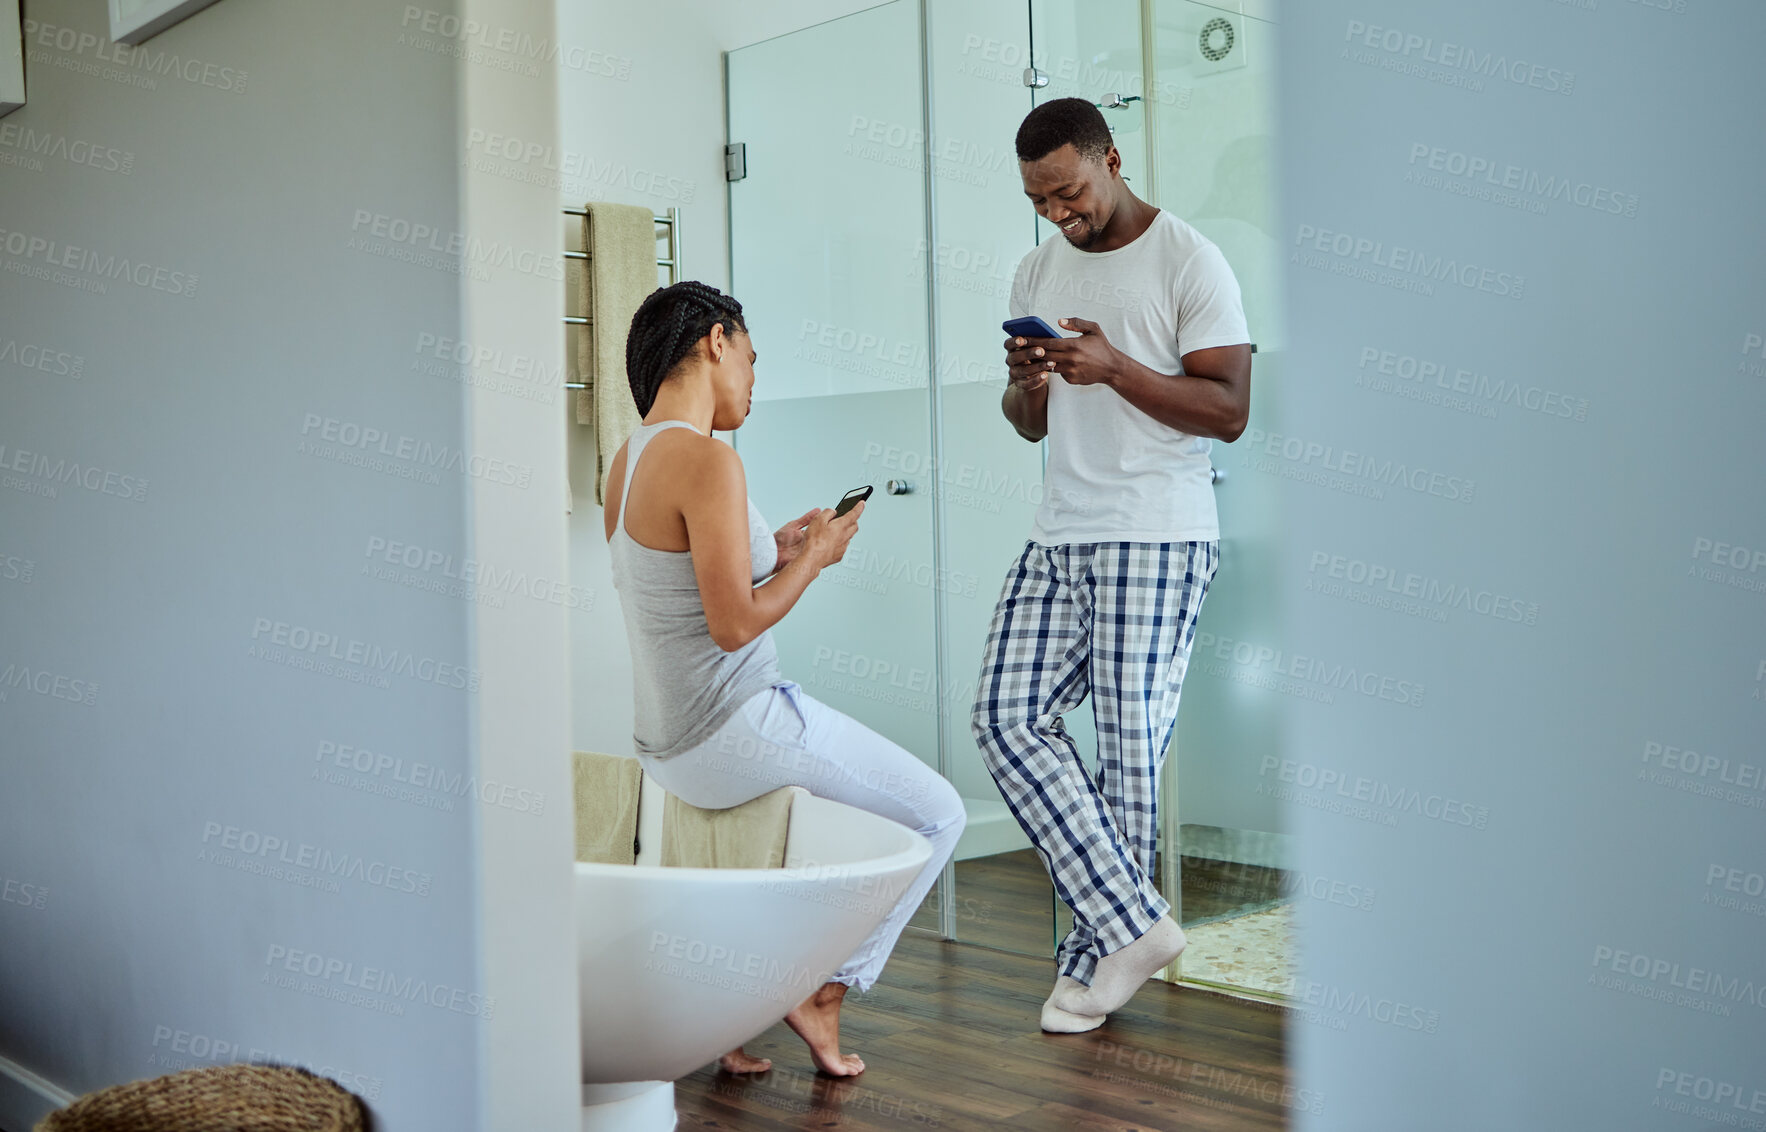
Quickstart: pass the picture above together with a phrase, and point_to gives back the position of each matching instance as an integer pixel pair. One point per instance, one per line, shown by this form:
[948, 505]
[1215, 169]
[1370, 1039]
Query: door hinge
[1035, 78]
[735, 161]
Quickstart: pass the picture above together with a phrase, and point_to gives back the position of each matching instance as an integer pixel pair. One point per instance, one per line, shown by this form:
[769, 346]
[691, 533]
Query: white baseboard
[990, 829]
[1239, 846]
[26, 1098]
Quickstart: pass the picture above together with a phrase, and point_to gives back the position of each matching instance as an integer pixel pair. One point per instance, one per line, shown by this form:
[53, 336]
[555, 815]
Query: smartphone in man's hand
[1030, 327]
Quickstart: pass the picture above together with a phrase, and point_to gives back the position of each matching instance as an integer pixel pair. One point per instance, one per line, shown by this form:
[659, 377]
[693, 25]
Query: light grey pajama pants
[785, 737]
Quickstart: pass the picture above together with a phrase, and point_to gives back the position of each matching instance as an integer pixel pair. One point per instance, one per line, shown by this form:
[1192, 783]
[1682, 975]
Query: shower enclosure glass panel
[1091, 49]
[828, 257]
[989, 479]
[877, 322]
[1195, 139]
[1214, 140]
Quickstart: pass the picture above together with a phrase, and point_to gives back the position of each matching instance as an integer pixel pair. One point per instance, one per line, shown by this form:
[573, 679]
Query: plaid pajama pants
[1114, 619]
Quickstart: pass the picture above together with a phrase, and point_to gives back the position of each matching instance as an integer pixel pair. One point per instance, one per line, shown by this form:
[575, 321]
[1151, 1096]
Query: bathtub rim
[806, 808]
[913, 855]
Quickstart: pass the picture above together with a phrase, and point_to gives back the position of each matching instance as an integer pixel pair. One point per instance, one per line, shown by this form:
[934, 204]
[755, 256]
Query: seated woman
[716, 723]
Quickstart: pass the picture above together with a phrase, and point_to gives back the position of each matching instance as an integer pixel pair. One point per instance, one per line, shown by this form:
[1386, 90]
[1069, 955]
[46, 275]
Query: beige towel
[606, 808]
[620, 274]
[749, 836]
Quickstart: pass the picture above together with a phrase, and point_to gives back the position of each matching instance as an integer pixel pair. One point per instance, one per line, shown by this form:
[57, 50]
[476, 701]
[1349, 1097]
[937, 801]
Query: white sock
[1058, 1021]
[1120, 973]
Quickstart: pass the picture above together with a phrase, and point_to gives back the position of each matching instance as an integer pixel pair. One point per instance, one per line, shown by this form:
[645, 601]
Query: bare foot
[736, 1061]
[817, 1021]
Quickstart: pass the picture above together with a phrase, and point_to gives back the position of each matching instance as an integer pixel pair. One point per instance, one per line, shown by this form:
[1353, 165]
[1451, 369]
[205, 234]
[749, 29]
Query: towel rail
[672, 222]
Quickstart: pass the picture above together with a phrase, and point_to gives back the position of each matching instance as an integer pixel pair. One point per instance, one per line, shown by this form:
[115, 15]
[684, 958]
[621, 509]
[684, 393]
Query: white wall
[529, 1066]
[225, 272]
[1523, 254]
[644, 123]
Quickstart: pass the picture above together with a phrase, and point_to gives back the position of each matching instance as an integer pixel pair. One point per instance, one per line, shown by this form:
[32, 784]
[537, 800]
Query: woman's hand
[708, 480]
[825, 540]
[791, 538]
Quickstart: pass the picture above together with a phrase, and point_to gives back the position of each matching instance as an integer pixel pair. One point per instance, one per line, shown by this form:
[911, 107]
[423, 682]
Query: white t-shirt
[1114, 473]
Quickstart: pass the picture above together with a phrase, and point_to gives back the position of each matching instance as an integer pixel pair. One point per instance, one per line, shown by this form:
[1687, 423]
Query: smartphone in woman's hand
[852, 499]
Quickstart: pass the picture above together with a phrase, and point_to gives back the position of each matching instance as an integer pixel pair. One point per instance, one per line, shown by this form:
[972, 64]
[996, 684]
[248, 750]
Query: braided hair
[668, 325]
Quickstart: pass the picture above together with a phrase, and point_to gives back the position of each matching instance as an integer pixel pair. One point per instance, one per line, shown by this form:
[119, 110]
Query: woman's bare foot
[736, 1061]
[817, 1021]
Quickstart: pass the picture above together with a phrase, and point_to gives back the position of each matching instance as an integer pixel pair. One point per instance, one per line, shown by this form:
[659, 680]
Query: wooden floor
[950, 1040]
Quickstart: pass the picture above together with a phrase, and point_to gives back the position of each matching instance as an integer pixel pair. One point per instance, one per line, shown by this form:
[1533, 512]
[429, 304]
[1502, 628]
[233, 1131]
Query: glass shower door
[875, 287]
[1091, 49]
[1195, 138]
[1214, 136]
[988, 478]
[827, 240]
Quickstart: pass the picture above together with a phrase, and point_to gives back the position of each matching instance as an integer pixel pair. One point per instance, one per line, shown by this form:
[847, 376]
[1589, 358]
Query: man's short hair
[1064, 121]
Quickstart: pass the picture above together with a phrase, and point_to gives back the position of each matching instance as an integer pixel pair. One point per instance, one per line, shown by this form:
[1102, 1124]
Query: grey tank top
[684, 686]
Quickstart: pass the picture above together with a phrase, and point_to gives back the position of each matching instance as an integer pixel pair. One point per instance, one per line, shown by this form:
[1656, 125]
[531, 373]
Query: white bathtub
[678, 965]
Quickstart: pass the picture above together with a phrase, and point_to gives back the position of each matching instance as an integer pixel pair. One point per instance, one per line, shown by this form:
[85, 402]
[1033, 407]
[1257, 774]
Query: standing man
[1105, 595]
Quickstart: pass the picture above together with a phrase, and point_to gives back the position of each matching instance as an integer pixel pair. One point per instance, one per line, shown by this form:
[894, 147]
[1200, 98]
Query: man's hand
[1026, 366]
[1086, 360]
[1211, 397]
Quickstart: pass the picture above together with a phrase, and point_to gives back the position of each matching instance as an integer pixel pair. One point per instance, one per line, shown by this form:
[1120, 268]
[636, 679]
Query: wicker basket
[225, 1098]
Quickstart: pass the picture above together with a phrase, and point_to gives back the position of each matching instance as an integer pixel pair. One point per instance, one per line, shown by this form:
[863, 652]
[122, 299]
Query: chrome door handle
[1218, 475]
[898, 487]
